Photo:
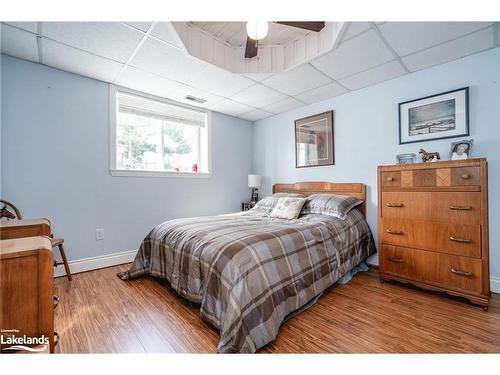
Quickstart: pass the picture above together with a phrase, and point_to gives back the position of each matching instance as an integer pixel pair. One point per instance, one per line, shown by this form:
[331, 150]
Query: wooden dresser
[27, 287]
[433, 226]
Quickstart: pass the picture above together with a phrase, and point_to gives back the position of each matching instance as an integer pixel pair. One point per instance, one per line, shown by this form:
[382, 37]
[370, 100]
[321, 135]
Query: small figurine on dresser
[429, 156]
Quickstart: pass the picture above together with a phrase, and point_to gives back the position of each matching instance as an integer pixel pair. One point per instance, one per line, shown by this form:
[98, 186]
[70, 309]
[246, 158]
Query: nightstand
[245, 206]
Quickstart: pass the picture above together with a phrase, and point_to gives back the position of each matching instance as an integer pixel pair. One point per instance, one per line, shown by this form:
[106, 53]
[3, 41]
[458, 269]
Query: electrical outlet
[99, 234]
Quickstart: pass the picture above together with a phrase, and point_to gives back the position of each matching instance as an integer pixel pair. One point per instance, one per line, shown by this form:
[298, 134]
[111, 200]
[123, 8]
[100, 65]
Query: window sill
[139, 173]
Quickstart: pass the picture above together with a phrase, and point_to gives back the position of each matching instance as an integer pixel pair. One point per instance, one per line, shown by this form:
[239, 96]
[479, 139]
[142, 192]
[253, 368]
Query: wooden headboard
[354, 189]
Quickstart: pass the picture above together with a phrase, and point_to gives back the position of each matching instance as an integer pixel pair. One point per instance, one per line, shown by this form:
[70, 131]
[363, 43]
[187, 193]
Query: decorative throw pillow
[288, 208]
[330, 204]
[266, 204]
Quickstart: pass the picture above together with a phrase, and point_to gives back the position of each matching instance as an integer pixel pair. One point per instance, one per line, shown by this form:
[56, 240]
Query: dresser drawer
[454, 272]
[390, 179]
[448, 207]
[465, 176]
[455, 239]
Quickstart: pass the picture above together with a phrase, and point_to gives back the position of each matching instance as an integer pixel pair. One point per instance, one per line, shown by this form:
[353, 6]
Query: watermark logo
[12, 342]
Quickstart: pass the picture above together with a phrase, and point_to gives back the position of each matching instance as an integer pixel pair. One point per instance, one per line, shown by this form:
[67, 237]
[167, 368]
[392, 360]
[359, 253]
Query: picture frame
[314, 141]
[440, 116]
[461, 150]
[406, 158]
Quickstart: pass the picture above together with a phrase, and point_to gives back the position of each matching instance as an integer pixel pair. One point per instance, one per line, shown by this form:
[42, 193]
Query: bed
[247, 271]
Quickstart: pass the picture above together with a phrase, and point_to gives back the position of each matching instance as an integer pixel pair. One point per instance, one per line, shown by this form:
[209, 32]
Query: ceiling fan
[257, 30]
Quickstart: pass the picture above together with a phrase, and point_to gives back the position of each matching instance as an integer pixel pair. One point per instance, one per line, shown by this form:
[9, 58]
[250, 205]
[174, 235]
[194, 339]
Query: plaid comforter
[249, 271]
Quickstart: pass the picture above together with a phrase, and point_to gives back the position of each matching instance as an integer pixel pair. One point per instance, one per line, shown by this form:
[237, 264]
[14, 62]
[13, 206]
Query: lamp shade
[254, 180]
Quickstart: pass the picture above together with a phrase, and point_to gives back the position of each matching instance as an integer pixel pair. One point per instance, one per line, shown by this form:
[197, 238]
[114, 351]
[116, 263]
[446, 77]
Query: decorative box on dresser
[433, 226]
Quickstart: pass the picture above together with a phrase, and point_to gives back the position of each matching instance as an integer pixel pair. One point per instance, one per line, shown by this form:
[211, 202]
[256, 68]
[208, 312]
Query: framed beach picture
[314, 141]
[438, 116]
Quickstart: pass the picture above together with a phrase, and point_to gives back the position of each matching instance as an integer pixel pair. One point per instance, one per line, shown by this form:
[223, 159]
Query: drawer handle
[397, 232]
[461, 208]
[394, 204]
[463, 240]
[461, 273]
[465, 176]
[56, 301]
[395, 260]
[390, 179]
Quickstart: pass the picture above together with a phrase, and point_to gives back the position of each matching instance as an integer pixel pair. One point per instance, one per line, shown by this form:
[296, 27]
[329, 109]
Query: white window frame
[113, 91]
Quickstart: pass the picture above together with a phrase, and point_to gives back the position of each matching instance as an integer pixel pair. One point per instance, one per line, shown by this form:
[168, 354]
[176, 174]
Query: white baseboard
[94, 263]
[495, 284]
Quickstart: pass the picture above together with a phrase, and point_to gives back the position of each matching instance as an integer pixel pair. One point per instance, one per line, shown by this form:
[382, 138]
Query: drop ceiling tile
[146, 82]
[28, 26]
[108, 39]
[258, 76]
[360, 53]
[18, 43]
[369, 77]
[256, 115]
[355, 28]
[410, 37]
[143, 26]
[258, 96]
[321, 93]
[184, 90]
[285, 105]
[452, 50]
[231, 107]
[77, 61]
[166, 32]
[295, 81]
[220, 82]
[169, 62]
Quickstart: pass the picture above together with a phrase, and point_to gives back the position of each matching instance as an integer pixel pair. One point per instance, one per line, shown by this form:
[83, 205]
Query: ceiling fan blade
[250, 48]
[311, 26]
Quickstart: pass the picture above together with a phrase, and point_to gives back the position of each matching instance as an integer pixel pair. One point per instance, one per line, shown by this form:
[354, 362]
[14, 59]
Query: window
[154, 137]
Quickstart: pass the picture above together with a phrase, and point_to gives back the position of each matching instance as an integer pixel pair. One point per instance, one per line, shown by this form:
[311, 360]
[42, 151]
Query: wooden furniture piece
[433, 226]
[24, 228]
[26, 285]
[34, 227]
[354, 189]
[9, 211]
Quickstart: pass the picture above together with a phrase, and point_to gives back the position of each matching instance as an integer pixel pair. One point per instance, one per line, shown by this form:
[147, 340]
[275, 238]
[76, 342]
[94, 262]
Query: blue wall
[55, 151]
[55, 164]
[366, 132]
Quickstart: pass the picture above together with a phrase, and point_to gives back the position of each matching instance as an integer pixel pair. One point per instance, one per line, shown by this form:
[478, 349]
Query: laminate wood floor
[99, 313]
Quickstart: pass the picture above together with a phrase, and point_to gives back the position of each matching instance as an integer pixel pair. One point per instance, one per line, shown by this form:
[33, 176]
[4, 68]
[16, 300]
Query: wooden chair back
[6, 211]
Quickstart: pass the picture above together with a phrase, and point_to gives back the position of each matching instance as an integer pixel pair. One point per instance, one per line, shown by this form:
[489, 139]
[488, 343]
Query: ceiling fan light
[257, 30]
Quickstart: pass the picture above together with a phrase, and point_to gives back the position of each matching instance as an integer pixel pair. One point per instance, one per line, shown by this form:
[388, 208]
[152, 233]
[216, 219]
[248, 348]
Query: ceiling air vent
[195, 99]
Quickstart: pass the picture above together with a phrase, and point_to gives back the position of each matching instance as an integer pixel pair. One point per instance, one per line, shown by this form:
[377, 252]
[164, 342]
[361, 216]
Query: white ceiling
[149, 57]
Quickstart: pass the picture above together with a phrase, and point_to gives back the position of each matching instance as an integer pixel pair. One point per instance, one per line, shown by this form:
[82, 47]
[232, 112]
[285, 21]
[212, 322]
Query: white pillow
[288, 208]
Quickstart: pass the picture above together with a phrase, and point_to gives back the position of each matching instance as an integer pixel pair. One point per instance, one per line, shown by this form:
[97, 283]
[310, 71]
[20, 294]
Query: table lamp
[254, 182]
